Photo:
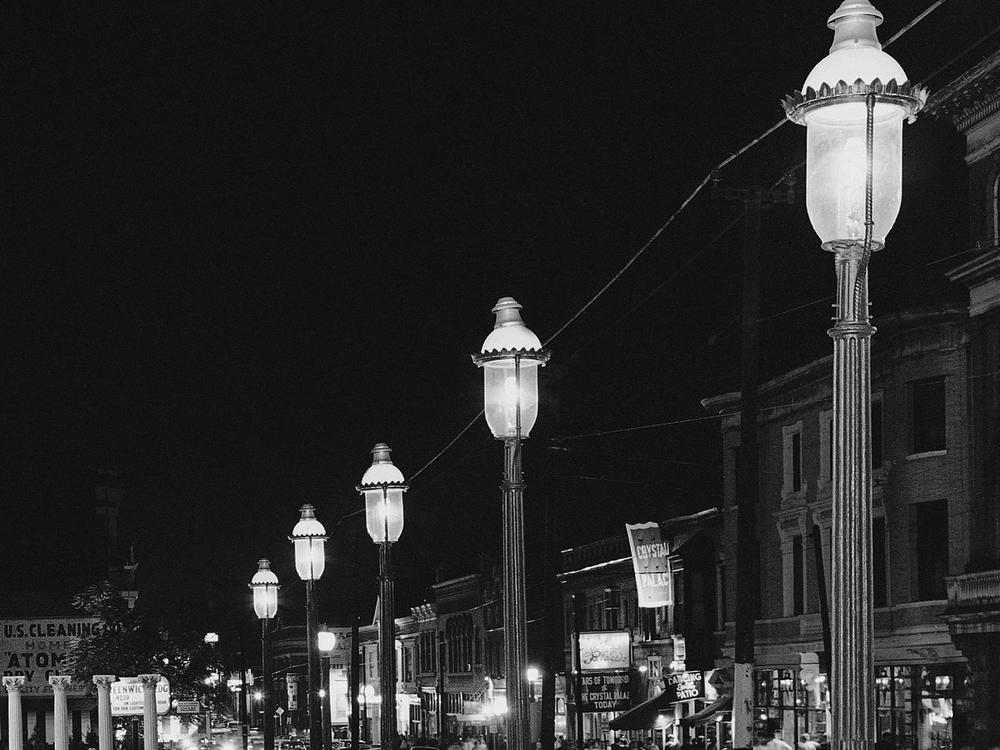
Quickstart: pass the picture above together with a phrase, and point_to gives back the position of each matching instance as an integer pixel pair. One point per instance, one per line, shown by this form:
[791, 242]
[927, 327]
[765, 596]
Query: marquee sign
[605, 691]
[649, 561]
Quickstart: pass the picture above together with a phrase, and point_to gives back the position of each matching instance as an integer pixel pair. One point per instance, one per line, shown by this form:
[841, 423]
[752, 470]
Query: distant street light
[326, 641]
[265, 605]
[308, 538]
[382, 486]
[853, 104]
[211, 638]
[510, 358]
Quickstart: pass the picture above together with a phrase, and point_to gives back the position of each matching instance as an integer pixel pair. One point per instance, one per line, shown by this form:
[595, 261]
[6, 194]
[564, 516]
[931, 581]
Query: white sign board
[605, 650]
[36, 648]
[126, 696]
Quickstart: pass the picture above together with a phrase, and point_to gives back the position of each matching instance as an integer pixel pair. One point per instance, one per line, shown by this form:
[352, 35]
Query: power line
[656, 235]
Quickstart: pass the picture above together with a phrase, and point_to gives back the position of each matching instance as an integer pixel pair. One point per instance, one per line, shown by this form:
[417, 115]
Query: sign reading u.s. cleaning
[36, 647]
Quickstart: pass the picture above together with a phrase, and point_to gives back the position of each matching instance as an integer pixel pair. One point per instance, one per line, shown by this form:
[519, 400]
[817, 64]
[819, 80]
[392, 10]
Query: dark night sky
[246, 241]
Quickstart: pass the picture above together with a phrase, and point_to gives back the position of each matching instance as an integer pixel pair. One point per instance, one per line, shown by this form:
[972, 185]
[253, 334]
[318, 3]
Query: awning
[724, 703]
[644, 715]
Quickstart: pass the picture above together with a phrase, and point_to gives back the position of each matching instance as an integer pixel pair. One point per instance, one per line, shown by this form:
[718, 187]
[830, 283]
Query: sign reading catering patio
[604, 691]
[126, 696]
[605, 649]
[650, 563]
[36, 648]
[684, 686]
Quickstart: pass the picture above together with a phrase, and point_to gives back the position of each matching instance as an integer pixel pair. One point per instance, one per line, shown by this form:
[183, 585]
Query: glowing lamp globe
[510, 358]
[265, 590]
[326, 641]
[308, 538]
[382, 486]
[832, 106]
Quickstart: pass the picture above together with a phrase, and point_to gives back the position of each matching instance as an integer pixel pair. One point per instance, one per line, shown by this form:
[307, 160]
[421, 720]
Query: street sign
[279, 711]
[188, 707]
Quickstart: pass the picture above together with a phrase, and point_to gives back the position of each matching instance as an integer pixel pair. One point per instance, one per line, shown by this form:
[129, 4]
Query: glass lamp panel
[309, 558]
[270, 601]
[326, 640]
[384, 514]
[260, 602]
[836, 168]
[502, 397]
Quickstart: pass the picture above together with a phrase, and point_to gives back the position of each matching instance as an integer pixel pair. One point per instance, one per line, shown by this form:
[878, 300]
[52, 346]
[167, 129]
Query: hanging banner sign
[649, 560]
[127, 700]
[684, 686]
[605, 691]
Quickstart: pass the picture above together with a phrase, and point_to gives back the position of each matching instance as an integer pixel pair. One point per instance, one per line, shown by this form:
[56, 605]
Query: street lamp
[326, 641]
[383, 487]
[510, 358]
[309, 538]
[264, 585]
[853, 104]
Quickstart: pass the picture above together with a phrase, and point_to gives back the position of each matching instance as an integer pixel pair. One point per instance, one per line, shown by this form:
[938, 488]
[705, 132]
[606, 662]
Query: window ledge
[926, 454]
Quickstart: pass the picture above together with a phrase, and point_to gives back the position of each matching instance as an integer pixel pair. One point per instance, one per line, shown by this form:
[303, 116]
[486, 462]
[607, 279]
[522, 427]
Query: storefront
[914, 705]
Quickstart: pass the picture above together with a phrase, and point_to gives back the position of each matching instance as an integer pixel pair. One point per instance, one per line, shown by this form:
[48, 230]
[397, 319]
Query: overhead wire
[684, 204]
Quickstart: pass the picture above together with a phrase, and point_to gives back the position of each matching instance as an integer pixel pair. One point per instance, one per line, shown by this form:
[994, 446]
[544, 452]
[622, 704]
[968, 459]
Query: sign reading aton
[605, 691]
[36, 647]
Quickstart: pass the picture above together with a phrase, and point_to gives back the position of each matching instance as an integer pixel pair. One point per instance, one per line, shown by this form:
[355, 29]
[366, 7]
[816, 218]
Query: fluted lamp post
[853, 104]
[382, 486]
[326, 641]
[510, 358]
[264, 585]
[309, 538]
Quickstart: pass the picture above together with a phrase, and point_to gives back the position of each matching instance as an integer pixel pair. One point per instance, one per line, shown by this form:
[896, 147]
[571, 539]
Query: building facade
[972, 105]
[599, 582]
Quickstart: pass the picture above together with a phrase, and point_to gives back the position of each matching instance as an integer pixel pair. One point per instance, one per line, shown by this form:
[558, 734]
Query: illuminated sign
[127, 696]
[684, 686]
[650, 563]
[605, 650]
[605, 691]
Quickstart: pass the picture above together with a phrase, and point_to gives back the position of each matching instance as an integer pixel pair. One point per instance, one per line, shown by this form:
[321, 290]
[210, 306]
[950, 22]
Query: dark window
[798, 576]
[796, 461]
[927, 410]
[678, 586]
[879, 560]
[612, 606]
[877, 434]
[829, 445]
[932, 549]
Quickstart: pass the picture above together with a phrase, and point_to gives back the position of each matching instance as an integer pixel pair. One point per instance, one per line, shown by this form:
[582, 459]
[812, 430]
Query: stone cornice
[971, 98]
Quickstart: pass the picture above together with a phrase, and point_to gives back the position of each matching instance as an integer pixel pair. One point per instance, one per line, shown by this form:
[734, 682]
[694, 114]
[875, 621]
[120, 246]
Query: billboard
[126, 696]
[650, 563]
[603, 650]
[36, 647]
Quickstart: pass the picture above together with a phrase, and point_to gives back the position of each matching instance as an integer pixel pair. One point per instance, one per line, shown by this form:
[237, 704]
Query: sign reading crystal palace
[36, 648]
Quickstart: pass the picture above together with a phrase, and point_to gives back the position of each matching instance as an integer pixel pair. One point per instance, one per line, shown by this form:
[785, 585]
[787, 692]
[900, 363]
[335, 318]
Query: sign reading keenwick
[126, 696]
[651, 564]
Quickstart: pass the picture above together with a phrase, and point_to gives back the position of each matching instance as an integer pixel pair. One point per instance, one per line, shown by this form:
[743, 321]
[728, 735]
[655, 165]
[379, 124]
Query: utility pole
[754, 200]
[578, 625]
